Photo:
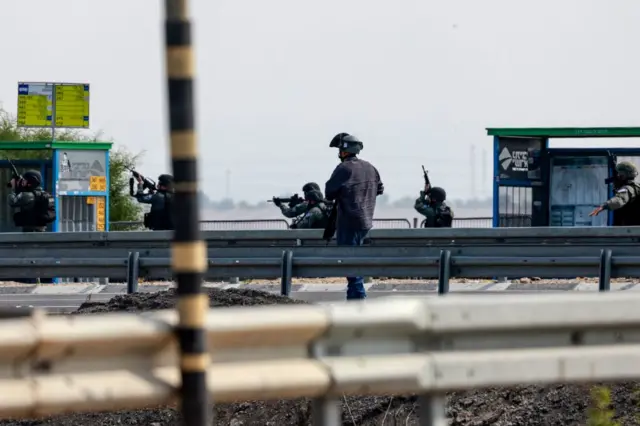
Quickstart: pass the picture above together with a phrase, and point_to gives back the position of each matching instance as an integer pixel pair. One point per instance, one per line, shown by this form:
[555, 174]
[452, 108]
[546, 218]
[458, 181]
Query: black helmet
[311, 186]
[165, 180]
[437, 194]
[347, 143]
[32, 177]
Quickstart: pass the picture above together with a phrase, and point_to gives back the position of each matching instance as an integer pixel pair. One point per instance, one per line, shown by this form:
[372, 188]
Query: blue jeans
[351, 237]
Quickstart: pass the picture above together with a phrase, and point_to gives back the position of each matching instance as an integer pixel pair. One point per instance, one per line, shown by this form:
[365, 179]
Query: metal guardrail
[399, 345]
[429, 253]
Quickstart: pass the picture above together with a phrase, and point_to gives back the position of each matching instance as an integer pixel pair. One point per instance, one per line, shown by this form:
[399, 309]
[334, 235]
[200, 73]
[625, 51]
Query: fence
[427, 346]
[428, 253]
[385, 223]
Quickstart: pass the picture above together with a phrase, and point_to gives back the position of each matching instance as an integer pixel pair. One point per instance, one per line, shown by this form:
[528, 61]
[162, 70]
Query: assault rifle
[330, 229]
[426, 177]
[292, 201]
[14, 173]
[146, 182]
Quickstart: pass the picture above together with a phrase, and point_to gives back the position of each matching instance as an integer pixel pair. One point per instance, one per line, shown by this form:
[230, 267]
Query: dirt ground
[525, 405]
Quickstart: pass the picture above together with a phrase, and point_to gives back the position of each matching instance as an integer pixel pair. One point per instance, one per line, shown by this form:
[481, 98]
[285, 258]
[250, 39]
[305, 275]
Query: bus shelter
[535, 185]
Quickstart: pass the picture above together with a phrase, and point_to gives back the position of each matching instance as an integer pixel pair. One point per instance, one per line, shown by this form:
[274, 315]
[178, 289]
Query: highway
[65, 303]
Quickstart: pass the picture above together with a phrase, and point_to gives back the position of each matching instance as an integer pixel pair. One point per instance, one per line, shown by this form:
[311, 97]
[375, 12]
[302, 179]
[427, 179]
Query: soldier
[431, 204]
[160, 217]
[625, 200]
[353, 186]
[36, 207]
[295, 209]
[316, 211]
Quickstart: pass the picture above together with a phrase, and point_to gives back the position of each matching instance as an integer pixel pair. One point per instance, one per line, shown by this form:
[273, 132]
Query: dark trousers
[351, 237]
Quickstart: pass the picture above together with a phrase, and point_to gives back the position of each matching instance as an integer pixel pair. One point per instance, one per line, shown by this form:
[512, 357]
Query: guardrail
[399, 345]
[396, 253]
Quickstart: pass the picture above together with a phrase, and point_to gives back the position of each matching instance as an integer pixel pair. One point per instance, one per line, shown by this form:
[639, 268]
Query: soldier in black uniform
[625, 201]
[35, 206]
[353, 186]
[431, 203]
[160, 217]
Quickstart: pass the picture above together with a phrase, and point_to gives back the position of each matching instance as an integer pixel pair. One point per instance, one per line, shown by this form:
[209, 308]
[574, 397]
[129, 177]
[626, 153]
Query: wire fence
[387, 223]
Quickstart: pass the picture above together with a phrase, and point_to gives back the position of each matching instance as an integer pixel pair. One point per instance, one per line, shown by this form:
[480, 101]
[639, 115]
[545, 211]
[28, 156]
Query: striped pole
[188, 251]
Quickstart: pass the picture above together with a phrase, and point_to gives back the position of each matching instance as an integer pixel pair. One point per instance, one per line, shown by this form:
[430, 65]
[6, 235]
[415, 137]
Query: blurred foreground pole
[189, 257]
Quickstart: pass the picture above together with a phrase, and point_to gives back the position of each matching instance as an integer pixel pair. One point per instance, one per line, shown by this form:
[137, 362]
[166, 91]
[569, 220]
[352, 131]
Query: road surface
[64, 303]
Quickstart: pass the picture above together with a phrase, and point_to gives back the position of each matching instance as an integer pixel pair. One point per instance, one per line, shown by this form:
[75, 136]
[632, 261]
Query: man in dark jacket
[353, 186]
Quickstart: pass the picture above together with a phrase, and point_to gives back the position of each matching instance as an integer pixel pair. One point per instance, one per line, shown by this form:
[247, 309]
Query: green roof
[566, 132]
[105, 146]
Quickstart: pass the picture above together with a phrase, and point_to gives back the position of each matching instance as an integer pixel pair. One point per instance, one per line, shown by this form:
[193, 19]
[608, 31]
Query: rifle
[146, 182]
[330, 229]
[292, 201]
[15, 174]
[426, 177]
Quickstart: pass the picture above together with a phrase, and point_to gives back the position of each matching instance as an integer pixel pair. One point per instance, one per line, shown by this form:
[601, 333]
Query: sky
[417, 81]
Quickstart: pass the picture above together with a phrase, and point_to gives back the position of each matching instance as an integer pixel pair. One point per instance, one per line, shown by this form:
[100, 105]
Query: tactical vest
[161, 220]
[40, 214]
[443, 217]
[320, 224]
[629, 215]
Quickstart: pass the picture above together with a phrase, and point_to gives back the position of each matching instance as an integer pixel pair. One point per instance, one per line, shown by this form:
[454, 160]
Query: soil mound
[522, 406]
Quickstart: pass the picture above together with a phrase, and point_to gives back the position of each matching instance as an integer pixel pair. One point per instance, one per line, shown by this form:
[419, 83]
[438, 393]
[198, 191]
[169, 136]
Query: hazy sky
[417, 81]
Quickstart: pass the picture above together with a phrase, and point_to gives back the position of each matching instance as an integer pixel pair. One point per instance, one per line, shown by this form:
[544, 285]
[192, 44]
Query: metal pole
[188, 250]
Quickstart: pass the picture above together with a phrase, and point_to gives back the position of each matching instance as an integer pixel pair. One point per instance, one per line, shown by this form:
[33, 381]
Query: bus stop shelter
[535, 185]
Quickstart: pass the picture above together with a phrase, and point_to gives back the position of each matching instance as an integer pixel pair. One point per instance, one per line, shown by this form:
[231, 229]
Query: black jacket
[354, 185]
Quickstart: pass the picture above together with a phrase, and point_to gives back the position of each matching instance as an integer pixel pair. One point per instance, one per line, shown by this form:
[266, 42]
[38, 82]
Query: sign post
[53, 105]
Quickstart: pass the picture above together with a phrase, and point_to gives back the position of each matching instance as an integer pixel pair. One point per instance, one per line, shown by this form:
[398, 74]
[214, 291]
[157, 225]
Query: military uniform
[160, 217]
[314, 218]
[295, 211]
[353, 186]
[434, 208]
[625, 201]
[35, 207]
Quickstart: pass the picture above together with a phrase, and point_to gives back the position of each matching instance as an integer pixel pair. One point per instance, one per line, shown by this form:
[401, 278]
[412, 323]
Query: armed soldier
[625, 201]
[36, 207]
[431, 204]
[353, 186]
[160, 196]
[312, 208]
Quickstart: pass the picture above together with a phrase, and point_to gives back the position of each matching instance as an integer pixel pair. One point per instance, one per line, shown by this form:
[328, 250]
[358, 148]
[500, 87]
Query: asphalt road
[58, 303]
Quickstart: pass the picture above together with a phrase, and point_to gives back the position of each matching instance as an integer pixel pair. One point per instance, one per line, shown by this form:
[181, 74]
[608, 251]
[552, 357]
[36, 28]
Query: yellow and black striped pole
[189, 254]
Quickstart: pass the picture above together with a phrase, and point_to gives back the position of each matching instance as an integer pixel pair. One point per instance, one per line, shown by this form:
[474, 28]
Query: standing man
[35, 206]
[353, 187]
[160, 217]
[431, 204]
[625, 201]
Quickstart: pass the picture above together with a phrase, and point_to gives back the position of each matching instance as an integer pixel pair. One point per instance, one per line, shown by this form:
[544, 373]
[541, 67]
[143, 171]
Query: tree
[122, 207]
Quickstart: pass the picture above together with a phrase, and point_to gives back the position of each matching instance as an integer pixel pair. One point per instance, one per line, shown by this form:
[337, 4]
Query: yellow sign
[98, 183]
[35, 104]
[91, 200]
[55, 105]
[71, 107]
[101, 213]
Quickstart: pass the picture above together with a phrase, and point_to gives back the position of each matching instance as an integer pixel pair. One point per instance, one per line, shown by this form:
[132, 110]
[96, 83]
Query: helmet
[626, 170]
[312, 192]
[347, 143]
[437, 194]
[33, 177]
[165, 180]
[311, 186]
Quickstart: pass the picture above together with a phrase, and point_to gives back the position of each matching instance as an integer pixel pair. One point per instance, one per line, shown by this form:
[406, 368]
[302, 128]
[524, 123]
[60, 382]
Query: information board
[55, 105]
[71, 106]
[35, 104]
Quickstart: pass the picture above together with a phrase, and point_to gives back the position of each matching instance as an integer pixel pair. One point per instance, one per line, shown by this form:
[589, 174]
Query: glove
[277, 202]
